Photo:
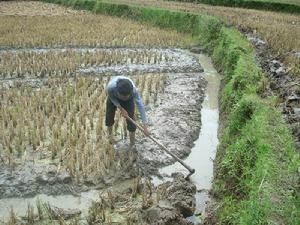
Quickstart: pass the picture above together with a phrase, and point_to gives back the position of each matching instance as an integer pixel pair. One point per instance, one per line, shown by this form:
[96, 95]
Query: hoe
[191, 170]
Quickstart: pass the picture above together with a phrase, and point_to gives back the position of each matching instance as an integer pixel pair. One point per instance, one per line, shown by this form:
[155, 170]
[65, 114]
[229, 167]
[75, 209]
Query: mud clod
[181, 194]
[65, 214]
[177, 203]
[197, 49]
[163, 214]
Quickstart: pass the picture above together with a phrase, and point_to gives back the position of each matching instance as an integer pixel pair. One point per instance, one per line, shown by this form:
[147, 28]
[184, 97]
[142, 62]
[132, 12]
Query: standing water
[81, 202]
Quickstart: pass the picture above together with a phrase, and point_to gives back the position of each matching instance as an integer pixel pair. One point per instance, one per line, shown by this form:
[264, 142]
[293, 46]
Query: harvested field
[34, 8]
[274, 36]
[73, 28]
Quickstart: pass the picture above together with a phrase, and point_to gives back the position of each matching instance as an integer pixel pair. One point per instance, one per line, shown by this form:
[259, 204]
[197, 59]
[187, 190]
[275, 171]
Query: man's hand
[123, 112]
[146, 131]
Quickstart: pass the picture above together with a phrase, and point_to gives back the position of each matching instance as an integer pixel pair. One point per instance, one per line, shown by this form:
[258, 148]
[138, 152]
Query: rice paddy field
[29, 119]
[55, 64]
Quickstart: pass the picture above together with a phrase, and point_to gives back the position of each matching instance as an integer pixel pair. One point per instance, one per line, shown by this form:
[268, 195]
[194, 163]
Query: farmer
[122, 94]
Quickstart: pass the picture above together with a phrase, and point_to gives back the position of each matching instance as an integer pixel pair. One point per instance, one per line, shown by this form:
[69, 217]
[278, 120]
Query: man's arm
[140, 106]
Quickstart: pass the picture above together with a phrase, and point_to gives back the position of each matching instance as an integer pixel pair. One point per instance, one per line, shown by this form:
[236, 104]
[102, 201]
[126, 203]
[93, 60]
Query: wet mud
[176, 204]
[175, 120]
[138, 202]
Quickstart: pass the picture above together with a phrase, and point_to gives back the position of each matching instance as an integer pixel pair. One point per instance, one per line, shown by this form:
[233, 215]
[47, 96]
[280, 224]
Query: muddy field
[177, 108]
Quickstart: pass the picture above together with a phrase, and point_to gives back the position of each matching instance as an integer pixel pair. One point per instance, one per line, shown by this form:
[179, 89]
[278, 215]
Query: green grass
[256, 165]
[235, 56]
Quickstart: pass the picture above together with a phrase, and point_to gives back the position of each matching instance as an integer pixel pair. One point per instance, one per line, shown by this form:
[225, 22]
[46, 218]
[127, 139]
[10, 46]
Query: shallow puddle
[81, 202]
[20, 205]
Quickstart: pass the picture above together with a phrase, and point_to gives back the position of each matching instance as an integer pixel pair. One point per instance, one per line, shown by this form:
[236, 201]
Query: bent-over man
[123, 95]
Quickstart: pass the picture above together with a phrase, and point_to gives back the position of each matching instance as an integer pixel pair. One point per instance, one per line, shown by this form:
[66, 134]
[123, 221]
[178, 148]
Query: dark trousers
[111, 110]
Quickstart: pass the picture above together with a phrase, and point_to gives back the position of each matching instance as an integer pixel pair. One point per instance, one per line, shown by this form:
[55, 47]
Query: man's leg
[110, 118]
[129, 107]
[132, 138]
[110, 130]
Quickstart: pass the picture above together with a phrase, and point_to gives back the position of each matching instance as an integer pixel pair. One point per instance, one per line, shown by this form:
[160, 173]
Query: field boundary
[259, 5]
[256, 164]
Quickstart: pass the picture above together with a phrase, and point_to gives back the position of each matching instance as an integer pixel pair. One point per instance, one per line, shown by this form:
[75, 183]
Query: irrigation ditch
[255, 170]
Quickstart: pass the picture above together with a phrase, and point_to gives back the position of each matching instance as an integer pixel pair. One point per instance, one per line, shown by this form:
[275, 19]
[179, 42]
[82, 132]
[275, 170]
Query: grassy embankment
[255, 181]
[294, 2]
